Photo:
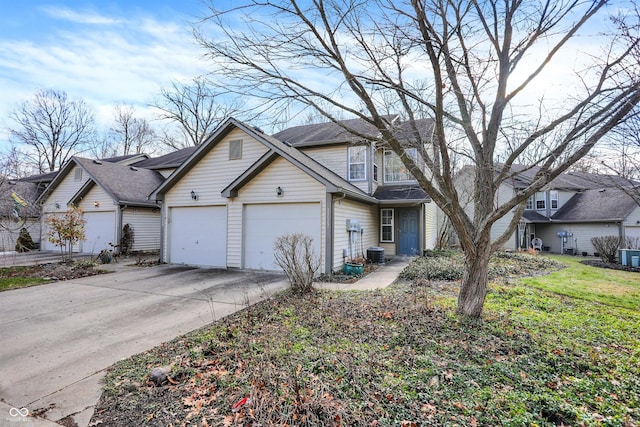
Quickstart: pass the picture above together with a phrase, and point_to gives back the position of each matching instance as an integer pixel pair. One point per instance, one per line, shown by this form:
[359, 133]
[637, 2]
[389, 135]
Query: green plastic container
[352, 268]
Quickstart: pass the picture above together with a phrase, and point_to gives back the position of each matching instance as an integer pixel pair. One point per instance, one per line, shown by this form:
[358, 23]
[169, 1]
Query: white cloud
[120, 61]
[78, 17]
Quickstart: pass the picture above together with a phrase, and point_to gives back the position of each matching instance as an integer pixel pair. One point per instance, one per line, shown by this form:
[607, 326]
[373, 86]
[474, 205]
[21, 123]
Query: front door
[408, 232]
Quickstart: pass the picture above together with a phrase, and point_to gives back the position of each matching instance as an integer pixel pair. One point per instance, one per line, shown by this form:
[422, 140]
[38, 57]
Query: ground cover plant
[24, 276]
[393, 357]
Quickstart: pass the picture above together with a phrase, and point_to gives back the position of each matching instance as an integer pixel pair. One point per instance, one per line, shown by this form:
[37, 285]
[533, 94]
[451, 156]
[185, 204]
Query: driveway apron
[57, 339]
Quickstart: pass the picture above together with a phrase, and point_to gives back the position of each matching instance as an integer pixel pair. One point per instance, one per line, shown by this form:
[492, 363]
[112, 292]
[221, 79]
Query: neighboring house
[568, 212]
[241, 189]
[18, 210]
[165, 165]
[111, 195]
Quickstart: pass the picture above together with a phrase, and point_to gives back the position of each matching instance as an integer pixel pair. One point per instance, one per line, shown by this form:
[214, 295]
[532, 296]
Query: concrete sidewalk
[382, 277]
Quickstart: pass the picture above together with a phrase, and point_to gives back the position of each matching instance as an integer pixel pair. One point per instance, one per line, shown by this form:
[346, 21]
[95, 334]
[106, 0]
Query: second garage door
[198, 236]
[99, 231]
[263, 224]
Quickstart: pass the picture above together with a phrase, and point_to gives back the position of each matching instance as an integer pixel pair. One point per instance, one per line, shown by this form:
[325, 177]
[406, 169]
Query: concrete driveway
[57, 339]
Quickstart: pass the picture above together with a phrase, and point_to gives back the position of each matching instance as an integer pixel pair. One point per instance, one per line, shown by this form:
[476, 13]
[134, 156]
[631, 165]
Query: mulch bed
[609, 265]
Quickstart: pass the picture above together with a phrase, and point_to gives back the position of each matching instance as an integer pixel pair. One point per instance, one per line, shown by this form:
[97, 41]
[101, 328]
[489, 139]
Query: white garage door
[264, 223]
[198, 236]
[99, 231]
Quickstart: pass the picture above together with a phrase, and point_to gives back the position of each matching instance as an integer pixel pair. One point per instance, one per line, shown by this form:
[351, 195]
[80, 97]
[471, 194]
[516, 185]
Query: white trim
[392, 225]
[364, 150]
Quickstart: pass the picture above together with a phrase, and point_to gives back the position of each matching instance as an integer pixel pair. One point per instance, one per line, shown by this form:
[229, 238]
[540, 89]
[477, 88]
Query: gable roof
[27, 191]
[319, 134]
[171, 160]
[126, 185]
[330, 179]
[603, 205]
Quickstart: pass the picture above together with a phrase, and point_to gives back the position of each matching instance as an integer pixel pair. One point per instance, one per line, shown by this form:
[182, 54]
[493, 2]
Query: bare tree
[53, 126]
[133, 134]
[469, 65]
[193, 112]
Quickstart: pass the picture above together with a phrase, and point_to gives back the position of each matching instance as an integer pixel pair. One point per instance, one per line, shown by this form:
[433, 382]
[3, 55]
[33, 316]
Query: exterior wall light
[194, 196]
[279, 192]
[57, 205]
[96, 204]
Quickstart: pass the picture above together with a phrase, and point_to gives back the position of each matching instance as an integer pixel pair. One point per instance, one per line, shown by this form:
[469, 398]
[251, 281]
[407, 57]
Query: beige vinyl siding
[64, 191]
[97, 194]
[433, 217]
[214, 172]
[633, 219]
[297, 187]
[366, 215]
[146, 227]
[581, 232]
[333, 157]
[62, 194]
[211, 175]
[10, 230]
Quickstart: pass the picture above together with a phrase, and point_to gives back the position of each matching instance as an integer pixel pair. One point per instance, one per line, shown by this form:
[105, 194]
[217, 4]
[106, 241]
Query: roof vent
[602, 190]
[133, 168]
[97, 162]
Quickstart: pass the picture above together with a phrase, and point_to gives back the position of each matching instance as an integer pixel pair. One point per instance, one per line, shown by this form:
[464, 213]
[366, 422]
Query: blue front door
[408, 232]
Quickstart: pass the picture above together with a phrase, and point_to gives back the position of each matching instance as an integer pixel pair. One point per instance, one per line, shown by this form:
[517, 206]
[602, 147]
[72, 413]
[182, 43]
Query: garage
[264, 223]
[99, 231]
[198, 236]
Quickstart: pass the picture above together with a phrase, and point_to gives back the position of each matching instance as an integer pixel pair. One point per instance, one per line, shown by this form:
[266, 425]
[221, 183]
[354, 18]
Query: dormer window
[541, 201]
[358, 163]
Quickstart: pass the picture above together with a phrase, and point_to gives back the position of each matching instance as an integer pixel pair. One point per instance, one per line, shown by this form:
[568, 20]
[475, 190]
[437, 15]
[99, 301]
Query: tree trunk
[473, 290]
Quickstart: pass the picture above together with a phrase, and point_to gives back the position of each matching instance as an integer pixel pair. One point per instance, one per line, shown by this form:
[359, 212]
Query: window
[541, 202]
[235, 150]
[394, 169]
[553, 195]
[529, 205]
[386, 225]
[358, 163]
[77, 174]
[375, 169]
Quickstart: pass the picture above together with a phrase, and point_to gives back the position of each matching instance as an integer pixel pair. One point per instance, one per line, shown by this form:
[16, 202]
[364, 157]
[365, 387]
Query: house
[241, 189]
[567, 212]
[112, 193]
[18, 210]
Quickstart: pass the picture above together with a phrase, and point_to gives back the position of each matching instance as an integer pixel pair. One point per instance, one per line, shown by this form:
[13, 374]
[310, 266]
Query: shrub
[126, 242]
[25, 243]
[294, 254]
[607, 247]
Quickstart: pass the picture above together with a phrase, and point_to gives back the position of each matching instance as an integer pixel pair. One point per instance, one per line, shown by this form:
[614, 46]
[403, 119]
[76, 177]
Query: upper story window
[541, 201]
[553, 196]
[358, 163]
[529, 205]
[235, 149]
[394, 169]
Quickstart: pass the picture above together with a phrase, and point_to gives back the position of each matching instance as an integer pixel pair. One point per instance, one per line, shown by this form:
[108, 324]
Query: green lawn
[17, 277]
[606, 286]
[400, 357]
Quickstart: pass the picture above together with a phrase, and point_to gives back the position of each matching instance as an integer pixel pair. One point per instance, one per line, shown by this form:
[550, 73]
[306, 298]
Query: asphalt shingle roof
[171, 160]
[27, 191]
[122, 182]
[610, 204]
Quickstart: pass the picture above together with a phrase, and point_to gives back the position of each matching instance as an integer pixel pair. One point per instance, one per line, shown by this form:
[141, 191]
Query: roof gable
[610, 204]
[123, 183]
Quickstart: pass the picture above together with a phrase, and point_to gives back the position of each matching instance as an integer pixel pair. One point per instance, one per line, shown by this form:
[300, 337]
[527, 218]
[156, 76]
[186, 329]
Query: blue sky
[105, 52]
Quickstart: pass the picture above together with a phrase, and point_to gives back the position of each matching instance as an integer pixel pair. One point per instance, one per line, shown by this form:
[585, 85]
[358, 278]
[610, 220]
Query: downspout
[119, 227]
[330, 232]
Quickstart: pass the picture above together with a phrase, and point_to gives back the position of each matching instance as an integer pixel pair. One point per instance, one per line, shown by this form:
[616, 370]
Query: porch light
[279, 192]
[96, 204]
[194, 196]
